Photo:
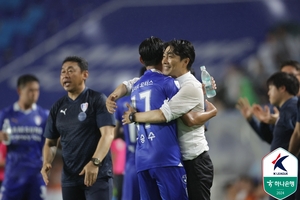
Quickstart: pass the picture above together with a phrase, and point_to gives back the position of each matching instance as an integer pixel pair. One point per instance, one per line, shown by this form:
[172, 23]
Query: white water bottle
[206, 79]
[6, 128]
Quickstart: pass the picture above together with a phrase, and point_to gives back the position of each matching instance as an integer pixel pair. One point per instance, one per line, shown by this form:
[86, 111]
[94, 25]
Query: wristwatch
[132, 117]
[96, 162]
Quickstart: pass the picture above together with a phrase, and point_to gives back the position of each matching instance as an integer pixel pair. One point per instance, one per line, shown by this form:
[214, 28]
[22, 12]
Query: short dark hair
[151, 51]
[183, 49]
[82, 63]
[289, 81]
[293, 63]
[26, 78]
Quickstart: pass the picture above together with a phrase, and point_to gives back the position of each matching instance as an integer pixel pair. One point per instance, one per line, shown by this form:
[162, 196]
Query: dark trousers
[200, 175]
[101, 189]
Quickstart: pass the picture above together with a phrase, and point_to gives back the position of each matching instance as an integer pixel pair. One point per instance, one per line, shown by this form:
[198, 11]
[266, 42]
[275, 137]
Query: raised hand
[245, 108]
[275, 116]
[264, 114]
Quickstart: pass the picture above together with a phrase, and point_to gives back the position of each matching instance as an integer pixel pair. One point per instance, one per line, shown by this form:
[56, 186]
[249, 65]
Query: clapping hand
[245, 108]
[264, 115]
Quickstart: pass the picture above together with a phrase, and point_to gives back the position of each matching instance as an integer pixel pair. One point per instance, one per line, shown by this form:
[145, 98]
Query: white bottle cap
[202, 68]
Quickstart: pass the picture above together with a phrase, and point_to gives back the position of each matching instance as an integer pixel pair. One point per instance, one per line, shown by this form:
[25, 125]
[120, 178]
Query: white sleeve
[188, 97]
[129, 84]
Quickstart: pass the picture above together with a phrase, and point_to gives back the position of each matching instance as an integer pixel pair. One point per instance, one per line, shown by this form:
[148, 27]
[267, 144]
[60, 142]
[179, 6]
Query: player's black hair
[151, 51]
[289, 81]
[293, 63]
[82, 63]
[26, 78]
[183, 49]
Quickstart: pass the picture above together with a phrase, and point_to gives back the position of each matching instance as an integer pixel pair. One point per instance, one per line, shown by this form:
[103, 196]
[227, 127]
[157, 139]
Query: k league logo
[280, 173]
[278, 164]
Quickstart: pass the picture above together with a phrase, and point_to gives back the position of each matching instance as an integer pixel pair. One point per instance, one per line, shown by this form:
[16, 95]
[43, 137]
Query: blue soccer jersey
[157, 144]
[24, 153]
[130, 133]
[130, 182]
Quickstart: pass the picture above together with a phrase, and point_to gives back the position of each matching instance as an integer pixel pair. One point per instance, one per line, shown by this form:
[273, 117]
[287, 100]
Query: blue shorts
[131, 188]
[163, 183]
[26, 186]
[101, 189]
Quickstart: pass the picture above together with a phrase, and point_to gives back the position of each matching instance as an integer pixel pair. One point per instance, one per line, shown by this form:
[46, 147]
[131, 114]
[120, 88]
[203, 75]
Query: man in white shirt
[177, 61]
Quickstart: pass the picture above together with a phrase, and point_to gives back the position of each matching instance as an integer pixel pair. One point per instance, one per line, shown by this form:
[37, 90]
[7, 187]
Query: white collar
[183, 77]
[155, 70]
[17, 108]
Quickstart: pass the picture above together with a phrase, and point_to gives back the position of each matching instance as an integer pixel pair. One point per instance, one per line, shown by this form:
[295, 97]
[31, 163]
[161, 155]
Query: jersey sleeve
[103, 117]
[264, 131]
[129, 84]
[121, 107]
[186, 99]
[290, 116]
[50, 129]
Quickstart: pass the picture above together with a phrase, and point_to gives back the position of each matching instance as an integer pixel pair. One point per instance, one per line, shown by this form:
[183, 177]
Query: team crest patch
[84, 106]
[82, 115]
[37, 120]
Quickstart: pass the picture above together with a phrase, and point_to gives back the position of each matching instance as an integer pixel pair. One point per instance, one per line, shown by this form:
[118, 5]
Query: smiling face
[172, 65]
[72, 78]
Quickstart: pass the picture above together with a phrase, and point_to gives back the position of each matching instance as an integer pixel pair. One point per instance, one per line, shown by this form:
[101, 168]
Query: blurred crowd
[244, 187]
[26, 24]
[248, 79]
